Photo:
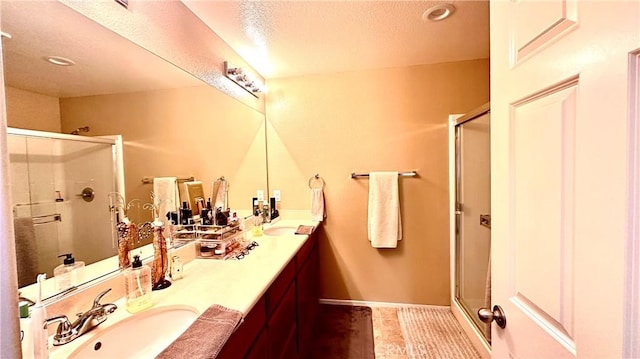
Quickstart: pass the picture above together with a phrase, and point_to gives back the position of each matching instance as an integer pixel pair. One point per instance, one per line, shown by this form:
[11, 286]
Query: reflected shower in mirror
[171, 123]
[54, 179]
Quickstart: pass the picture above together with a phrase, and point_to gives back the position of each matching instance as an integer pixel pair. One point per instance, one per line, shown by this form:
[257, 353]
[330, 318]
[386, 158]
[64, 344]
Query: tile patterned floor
[387, 335]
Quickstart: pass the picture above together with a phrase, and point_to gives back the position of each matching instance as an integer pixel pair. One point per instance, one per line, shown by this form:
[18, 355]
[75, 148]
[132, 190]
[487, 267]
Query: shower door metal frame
[459, 206]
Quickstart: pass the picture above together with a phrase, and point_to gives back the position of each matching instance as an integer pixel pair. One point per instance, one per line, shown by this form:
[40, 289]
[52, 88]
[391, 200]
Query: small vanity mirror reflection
[64, 73]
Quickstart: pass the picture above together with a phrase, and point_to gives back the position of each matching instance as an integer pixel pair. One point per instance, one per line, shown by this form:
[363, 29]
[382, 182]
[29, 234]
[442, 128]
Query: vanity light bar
[238, 75]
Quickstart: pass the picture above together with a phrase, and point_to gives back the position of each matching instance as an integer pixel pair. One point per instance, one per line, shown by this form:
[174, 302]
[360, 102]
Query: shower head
[80, 129]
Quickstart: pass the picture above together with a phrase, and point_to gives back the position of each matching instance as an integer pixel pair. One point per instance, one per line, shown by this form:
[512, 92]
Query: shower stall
[470, 190]
[59, 192]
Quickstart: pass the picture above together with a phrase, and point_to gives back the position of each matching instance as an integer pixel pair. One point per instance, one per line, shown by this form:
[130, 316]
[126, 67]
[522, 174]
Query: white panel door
[560, 154]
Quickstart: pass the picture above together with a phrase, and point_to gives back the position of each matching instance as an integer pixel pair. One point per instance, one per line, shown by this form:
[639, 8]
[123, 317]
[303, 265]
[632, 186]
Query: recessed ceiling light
[60, 61]
[438, 12]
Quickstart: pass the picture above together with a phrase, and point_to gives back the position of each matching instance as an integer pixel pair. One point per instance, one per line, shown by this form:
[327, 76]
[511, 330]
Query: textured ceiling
[106, 63]
[292, 38]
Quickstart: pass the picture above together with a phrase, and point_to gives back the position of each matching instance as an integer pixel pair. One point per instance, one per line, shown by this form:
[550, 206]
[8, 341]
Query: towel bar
[147, 180]
[400, 174]
[47, 218]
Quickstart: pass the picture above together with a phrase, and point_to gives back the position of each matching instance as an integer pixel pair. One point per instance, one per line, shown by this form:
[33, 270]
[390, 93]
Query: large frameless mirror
[64, 73]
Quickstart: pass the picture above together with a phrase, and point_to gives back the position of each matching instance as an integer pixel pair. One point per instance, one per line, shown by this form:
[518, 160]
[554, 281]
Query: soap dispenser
[70, 273]
[138, 286]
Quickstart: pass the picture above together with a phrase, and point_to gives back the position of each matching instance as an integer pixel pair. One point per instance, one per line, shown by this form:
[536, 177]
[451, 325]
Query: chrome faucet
[86, 321]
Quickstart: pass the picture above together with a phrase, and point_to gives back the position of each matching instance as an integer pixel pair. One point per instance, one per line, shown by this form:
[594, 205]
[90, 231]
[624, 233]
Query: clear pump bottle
[138, 286]
[70, 273]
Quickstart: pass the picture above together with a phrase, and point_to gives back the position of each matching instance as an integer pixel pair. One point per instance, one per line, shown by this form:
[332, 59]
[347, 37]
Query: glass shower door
[473, 220]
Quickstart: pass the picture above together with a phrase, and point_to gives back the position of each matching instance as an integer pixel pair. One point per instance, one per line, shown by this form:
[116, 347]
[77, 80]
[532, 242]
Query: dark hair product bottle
[207, 214]
[185, 214]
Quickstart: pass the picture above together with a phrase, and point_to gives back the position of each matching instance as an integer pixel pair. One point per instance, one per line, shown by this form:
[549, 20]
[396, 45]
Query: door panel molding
[542, 186]
[632, 280]
[553, 327]
[537, 24]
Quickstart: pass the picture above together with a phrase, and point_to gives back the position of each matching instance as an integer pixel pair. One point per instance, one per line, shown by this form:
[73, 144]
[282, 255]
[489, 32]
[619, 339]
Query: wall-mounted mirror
[171, 123]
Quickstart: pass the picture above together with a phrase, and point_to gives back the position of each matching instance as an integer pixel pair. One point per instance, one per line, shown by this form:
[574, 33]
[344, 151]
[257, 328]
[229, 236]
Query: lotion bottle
[138, 286]
[69, 273]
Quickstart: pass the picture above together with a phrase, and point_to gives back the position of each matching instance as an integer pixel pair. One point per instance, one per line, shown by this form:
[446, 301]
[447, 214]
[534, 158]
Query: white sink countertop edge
[235, 284]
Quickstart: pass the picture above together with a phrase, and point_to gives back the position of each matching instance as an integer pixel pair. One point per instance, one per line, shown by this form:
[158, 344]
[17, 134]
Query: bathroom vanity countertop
[236, 284]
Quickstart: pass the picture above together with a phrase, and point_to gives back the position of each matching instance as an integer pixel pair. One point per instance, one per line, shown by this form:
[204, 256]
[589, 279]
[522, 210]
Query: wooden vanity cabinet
[280, 325]
[244, 337]
[308, 288]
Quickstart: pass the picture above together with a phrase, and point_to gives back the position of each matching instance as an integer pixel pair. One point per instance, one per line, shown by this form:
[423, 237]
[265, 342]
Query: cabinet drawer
[260, 349]
[241, 340]
[279, 287]
[307, 305]
[282, 325]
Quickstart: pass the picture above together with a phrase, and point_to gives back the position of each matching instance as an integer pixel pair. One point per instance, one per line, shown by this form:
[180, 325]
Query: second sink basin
[280, 231]
[143, 335]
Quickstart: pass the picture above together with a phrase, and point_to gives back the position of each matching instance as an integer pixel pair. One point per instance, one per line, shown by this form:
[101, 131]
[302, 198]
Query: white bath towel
[385, 227]
[318, 212]
[165, 190]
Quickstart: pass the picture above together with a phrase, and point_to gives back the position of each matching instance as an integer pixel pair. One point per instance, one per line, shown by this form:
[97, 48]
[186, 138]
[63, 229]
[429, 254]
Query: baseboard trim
[375, 304]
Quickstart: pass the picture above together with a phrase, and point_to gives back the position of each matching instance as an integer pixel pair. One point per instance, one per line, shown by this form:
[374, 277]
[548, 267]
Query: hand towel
[26, 250]
[219, 194]
[165, 190]
[318, 212]
[384, 227]
[206, 336]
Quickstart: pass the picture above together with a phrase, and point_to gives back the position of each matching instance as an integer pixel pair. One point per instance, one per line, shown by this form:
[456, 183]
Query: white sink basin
[143, 335]
[280, 231]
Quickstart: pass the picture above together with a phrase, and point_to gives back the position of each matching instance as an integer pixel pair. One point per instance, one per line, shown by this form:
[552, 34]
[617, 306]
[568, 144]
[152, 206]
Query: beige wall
[390, 119]
[195, 131]
[31, 110]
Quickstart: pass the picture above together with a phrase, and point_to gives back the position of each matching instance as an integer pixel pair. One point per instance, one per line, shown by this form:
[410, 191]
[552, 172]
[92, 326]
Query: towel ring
[317, 178]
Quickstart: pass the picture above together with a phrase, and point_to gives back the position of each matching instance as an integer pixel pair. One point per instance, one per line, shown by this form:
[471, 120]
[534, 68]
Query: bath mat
[343, 332]
[434, 333]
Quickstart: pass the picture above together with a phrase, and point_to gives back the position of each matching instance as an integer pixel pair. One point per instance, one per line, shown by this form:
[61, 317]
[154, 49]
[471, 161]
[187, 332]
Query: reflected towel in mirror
[165, 190]
[26, 250]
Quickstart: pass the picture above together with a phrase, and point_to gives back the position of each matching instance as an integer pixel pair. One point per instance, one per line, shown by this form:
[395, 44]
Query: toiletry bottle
[233, 220]
[70, 273]
[257, 227]
[176, 268]
[137, 281]
[26, 332]
[185, 214]
[207, 214]
[38, 316]
[221, 218]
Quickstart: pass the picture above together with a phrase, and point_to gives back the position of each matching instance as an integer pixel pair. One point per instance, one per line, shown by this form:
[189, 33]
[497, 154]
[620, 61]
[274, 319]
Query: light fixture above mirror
[242, 79]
